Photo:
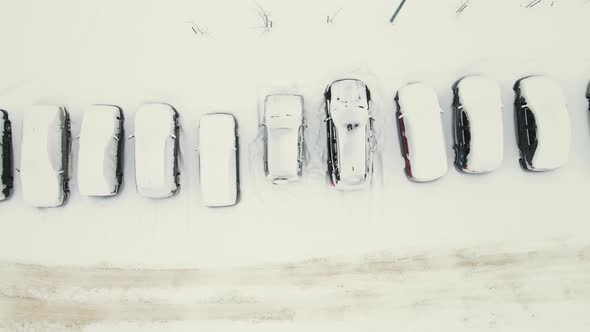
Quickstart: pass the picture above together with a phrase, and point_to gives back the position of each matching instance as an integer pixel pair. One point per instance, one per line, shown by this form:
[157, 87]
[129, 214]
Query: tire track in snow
[373, 286]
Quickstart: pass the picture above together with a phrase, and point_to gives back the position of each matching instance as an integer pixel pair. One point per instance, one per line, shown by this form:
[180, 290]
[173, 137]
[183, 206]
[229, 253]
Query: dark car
[477, 119]
[6, 163]
[542, 124]
[349, 125]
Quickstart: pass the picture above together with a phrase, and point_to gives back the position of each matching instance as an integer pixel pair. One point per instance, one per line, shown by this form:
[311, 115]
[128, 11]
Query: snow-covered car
[349, 125]
[421, 132]
[6, 174]
[542, 124]
[45, 150]
[156, 150]
[283, 133]
[218, 159]
[100, 156]
[478, 129]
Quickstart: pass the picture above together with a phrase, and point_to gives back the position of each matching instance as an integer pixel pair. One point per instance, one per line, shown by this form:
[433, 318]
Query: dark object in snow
[6, 174]
[397, 11]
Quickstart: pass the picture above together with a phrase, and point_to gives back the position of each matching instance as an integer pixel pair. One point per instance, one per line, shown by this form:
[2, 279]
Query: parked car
[542, 124]
[478, 129]
[6, 174]
[349, 125]
[421, 132]
[100, 161]
[45, 151]
[218, 159]
[156, 150]
[283, 133]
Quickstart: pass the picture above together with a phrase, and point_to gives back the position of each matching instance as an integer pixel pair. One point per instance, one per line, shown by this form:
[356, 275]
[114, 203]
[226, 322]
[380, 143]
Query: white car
[100, 154]
[478, 129]
[283, 124]
[218, 159]
[45, 150]
[6, 174]
[349, 127]
[421, 132]
[543, 124]
[156, 150]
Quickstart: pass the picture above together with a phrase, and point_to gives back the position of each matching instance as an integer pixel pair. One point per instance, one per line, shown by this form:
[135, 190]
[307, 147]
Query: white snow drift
[351, 116]
[156, 147]
[44, 156]
[545, 99]
[480, 100]
[421, 128]
[218, 168]
[283, 122]
[100, 136]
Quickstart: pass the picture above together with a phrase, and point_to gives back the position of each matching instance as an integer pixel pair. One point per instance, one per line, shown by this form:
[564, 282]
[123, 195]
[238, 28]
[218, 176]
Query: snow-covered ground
[506, 250]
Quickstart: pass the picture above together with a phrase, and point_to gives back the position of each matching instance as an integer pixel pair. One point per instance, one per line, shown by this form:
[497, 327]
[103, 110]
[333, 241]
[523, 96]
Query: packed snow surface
[481, 101]
[217, 160]
[154, 150]
[420, 113]
[97, 154]
[350, 113]
[41, 167]
[546, 101]
[283, 119]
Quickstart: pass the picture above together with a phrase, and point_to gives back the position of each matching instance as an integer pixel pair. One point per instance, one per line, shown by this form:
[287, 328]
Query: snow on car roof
[481, 100]
[217, 159]
[97, 161]
[41, 165]
[155, 150]
[215, 128]
[545, 99]
[283, 111]
[423, 129]
[283, 104]
[283, 117]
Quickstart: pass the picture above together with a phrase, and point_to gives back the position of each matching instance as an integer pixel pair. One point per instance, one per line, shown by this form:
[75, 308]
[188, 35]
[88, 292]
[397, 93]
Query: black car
[7, 174]
[540, 103]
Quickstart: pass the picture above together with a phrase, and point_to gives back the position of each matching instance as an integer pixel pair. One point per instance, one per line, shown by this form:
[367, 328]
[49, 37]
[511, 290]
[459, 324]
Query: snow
[154, 150]
[217, 160]
[350, 113]
[41, 165]
[481, 100]
[97, 163]
[126, 53]
[545, 99]
[420, 113]
[283, 120]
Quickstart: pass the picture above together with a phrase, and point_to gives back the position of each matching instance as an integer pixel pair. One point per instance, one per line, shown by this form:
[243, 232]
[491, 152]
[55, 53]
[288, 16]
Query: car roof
[155, 150]
[545, 99]
[481, 100]
[423, 127]
[218, 166]
[97, 153]
[41, 155]
[214, 127]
